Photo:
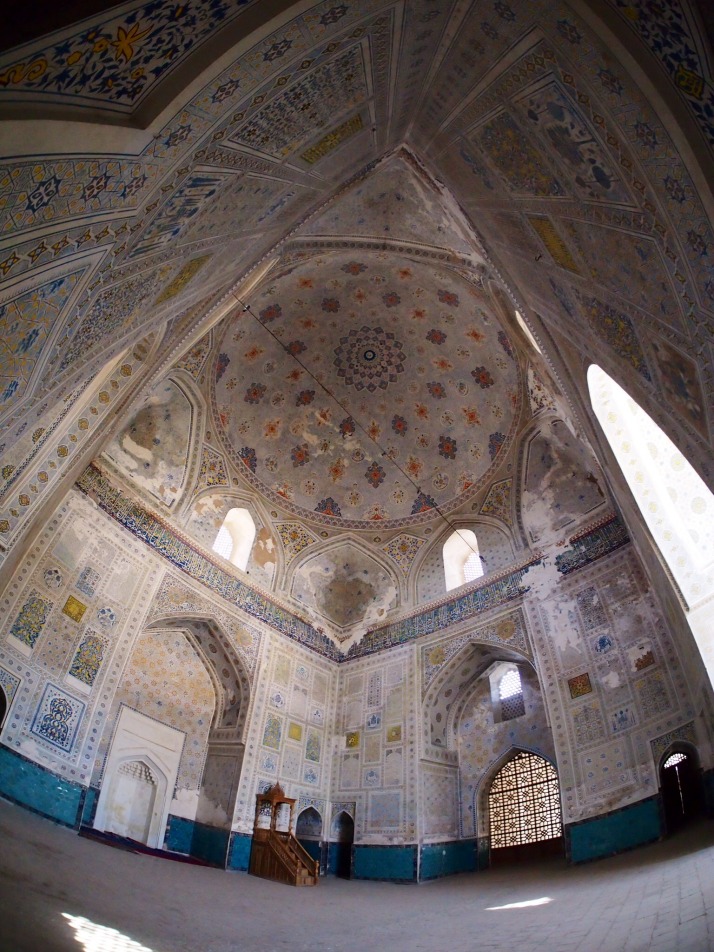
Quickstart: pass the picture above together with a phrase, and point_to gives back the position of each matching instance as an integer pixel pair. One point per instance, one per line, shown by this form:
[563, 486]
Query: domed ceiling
[363, 387]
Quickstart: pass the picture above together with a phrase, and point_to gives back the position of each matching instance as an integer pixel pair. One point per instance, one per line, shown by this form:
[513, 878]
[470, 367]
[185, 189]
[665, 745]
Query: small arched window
[510, 694]
[462, 560]
[235, 538]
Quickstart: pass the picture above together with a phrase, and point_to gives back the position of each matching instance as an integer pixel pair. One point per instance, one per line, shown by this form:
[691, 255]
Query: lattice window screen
[524, 802]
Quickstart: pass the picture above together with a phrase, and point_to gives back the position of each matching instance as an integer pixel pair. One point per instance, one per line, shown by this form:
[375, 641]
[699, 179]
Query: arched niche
[156, 449]
[495, 547]
[225, 748]
[561, 484]
[520, 804]
[444, 699]
[205, 515]
[141, 769]
[342, 834]
[344, 584]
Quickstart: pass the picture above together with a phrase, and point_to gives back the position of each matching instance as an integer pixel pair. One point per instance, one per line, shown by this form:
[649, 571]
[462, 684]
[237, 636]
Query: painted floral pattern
[355, 403]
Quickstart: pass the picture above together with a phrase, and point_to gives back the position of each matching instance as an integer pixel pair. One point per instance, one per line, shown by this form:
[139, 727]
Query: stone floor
[63, 893]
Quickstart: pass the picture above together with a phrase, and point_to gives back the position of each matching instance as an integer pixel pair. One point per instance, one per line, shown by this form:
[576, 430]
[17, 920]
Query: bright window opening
[524, 802]
[235, 538]
[527, 331]
[462, 560]
[510, 685]
[675, 503]
[674, 760]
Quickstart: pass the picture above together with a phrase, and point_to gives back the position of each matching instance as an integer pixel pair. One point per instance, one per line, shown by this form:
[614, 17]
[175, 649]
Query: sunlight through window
[96, 938]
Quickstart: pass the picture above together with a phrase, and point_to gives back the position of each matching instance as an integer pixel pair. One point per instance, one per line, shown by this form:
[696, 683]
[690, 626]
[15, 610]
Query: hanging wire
[248, 310]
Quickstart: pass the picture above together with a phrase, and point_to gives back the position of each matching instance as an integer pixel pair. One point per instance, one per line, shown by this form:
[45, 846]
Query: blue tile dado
[40, 790]
[179, 832]
[614, 832]
[395, 863]
[239, 851]
[445, 859]
[208, 843]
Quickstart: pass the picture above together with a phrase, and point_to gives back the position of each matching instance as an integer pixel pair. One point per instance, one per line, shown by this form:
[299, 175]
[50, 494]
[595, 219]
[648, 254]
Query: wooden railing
[279, 856]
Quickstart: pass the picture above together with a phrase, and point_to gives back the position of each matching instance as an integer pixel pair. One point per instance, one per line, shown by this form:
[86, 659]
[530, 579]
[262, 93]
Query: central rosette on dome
[369, 358]
[363, 391]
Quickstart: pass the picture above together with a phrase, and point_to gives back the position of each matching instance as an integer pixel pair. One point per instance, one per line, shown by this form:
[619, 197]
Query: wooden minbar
[275, 853]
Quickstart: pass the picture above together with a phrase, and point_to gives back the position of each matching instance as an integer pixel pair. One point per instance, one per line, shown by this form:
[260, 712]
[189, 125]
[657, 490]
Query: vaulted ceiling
[343, 203]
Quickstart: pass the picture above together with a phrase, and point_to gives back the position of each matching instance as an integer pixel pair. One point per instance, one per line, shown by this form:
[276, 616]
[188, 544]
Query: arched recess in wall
[519, 801]
[496, 550]
[226, 746]
[675, 503]
[469, 723]
[561, 483]
[342, 834]
[3, 706]
[157, 450]
[205, 514]
[681, 785]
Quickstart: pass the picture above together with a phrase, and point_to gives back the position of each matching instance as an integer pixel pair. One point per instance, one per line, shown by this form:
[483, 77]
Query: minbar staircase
[276, 854]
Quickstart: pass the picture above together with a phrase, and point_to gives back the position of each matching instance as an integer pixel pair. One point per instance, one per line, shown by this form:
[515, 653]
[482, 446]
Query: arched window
[674, 501]
[235, 537]
[524, 802]
[510, 691]
[462, 561]
[506, 691]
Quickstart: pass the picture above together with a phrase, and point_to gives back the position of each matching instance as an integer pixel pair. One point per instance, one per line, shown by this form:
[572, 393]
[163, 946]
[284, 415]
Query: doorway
[681, 787]
[343, 834]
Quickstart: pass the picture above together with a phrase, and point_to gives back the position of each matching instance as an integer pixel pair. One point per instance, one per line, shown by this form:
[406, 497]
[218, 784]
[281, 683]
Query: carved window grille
[524, 802]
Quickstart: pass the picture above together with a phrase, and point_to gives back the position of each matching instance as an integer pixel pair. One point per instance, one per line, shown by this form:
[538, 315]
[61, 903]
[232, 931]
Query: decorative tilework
[580, 685]
[652, 695]
[394, 734]
[194, 361]
[312, 747]
[384, 811]
[352, 739]
[26, 322]
[588, 725]
[686, 732]
[295, 537]
[498, 501]
[88, 580]
[182, 279]
[74, 609]
[403, 549]
[57, 718]
[88, 657]
[9, 684]
[554, 244]
[212, 470]
[117, 60]
[272, 732]
[288, 120]
[599, 541]
[294, 731]
[617, 330]
[333, 139]
[31, 620]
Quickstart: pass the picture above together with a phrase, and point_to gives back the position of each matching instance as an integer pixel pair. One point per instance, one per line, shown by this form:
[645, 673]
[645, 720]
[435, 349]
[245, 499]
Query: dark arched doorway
[681, 786]
[524, 810]
[3, 706]
[308, 831]
[342, 838]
